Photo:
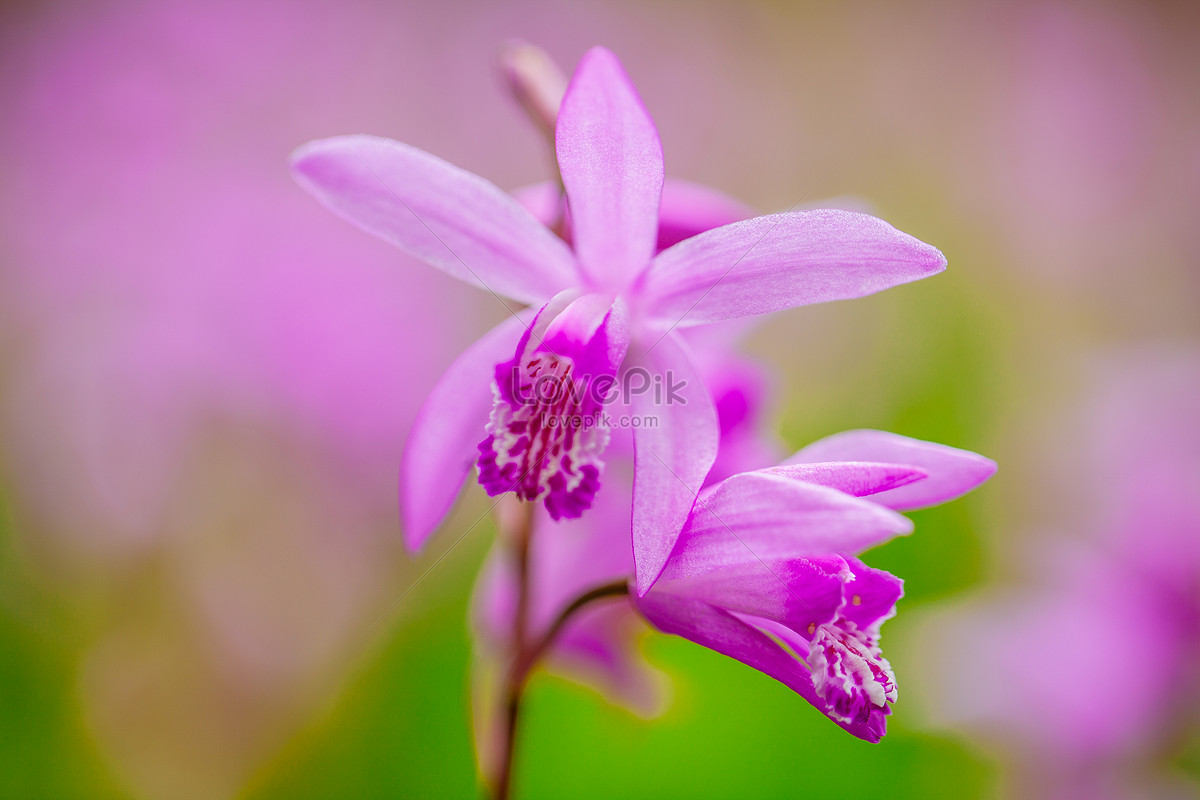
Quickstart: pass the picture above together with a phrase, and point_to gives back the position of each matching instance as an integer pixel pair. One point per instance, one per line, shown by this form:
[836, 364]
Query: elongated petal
[780, 261]
[675, 444]
[611, 162]
[756, 517]
[722, 631]
[443, 443]
[952, 472]
[858, 478]
[447, 217]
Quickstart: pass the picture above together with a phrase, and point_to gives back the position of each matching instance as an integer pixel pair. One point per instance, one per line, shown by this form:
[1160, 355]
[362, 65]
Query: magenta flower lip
[546, 433]
[611, 163]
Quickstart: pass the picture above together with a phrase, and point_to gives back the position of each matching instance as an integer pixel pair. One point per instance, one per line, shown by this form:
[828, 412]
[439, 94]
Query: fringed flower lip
[611, 164]
[547, 434]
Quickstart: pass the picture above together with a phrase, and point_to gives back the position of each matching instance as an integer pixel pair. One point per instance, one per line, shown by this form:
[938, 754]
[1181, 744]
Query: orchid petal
[724, 632]
[781, 261]
[857, 478]
[443, 442]
[756, 516]
[611, 163]
[952, 472]
[443, 215]
[672, 456]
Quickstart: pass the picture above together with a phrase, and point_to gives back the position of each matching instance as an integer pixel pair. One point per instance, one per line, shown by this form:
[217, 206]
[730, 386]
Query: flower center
[849, 671]
[545, 437]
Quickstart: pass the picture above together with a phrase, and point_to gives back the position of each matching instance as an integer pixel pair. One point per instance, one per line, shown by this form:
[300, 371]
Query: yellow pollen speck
[812, 628]
[856, 600]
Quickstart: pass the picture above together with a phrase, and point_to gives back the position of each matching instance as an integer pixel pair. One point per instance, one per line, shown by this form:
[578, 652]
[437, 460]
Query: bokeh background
[206, 382]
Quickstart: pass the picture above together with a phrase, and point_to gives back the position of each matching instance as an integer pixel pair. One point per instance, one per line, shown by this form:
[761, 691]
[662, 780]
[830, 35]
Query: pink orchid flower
[604, 302]
[764, 570]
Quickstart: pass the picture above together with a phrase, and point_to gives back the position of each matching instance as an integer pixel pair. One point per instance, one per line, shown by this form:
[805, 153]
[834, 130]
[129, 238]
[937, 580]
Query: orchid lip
[849, 672]
[546, 432]
[545, 443]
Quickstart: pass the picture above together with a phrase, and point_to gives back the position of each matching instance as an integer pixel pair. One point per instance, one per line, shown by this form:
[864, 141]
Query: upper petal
[858, 478]
[756, 516]
[442, 444]
[779, 261]
[611, 163]
[446, 216]
[675, 438]
[951, 472]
